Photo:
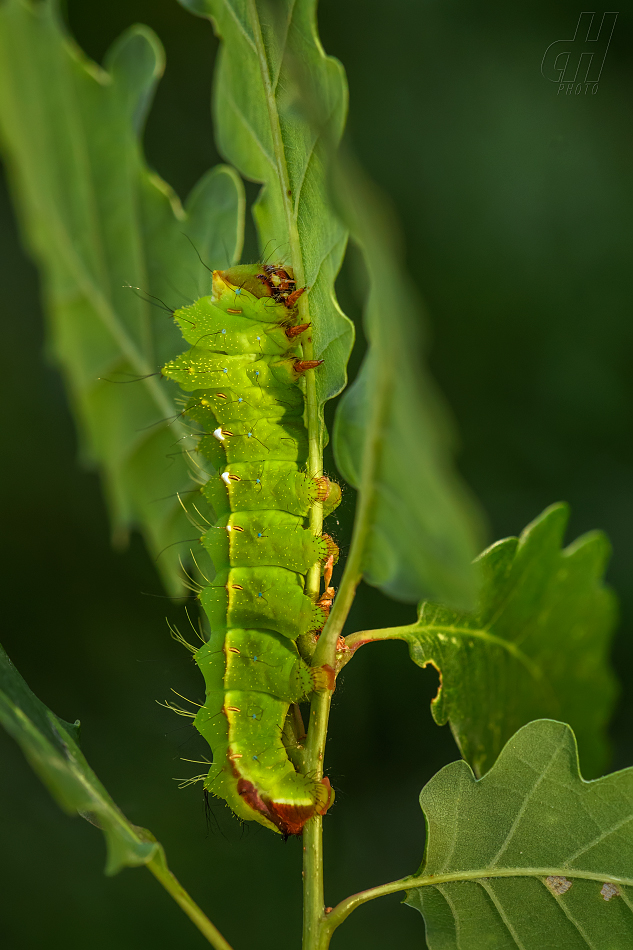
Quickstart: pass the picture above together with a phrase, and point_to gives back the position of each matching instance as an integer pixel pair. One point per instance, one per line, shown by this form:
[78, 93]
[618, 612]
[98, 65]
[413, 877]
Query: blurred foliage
[417, 529]
[51, 747]
[113, 243]
[516, 206]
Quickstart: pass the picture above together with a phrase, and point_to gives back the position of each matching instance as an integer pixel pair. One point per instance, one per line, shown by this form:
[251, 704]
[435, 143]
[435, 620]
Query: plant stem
[315, 923]
[313, 902]
[326, 647]
[158, 867]
[313, 907]
[325, 653]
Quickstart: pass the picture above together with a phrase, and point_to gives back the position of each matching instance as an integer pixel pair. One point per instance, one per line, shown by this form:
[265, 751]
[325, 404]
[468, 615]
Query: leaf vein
[485, 635]
[526, 800]
[502, 913]
[601, 837]
[247, 125]
[570, 917]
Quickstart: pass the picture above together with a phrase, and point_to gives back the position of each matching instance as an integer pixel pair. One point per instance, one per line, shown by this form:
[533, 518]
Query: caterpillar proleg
[243, 372]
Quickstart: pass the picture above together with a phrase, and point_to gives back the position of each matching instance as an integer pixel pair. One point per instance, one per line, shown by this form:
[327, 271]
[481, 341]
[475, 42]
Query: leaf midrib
[456, 877]
[401, 633]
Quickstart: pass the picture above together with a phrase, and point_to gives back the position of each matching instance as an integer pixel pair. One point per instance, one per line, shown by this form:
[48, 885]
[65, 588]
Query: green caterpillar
[244, 371]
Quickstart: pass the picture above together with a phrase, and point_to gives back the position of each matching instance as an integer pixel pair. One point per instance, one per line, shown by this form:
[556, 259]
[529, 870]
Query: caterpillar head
[270, 281]
[243, 276]
[237, 291]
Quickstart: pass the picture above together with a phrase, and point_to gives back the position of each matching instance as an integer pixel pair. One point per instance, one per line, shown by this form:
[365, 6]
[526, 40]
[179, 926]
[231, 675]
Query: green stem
[359, 639]
[342, 911]
[314, 904]
[336, 917]
[326, 647]
[161, 872]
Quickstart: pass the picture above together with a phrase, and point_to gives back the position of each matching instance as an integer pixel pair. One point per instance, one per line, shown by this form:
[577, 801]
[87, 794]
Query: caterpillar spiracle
[243, 372]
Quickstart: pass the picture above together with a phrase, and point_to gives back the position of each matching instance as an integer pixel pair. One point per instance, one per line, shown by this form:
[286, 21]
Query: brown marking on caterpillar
[323, 677]
[227, 477]
[251, 796]
[324, 794]
[325, 600]
[232, 311]
[292, 332]
[234, 650]
[279, 283]
[289, 819]
[291, 300]
[331, 547]
[300, 366]
[323, 487]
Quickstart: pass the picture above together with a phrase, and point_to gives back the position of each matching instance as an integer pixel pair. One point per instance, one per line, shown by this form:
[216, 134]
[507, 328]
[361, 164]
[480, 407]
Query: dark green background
[517, 208]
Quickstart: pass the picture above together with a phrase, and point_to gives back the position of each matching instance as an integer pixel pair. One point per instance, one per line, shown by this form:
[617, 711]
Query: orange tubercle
[300, 366]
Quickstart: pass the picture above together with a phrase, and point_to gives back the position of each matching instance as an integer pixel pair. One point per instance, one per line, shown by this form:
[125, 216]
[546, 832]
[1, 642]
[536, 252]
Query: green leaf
[417, 527]
[261, 129]
[529, 856]
[96, 219]
[536, 646]
[50, 745]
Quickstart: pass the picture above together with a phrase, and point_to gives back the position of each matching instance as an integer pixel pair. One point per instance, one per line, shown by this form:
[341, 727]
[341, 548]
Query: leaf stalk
[342, 911]
[158, 867]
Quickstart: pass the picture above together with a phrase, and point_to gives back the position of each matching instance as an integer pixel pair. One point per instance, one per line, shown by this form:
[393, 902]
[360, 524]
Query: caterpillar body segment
[252, 486]
[273, 538]
[243, 373]
[268, 597]
[237, 334]
[248, 441]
